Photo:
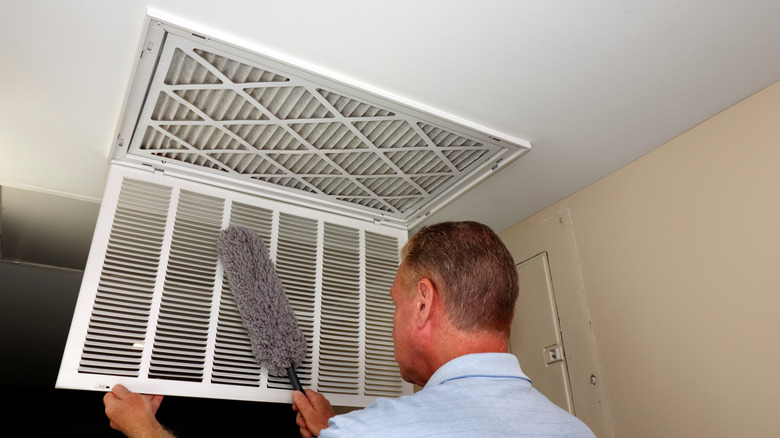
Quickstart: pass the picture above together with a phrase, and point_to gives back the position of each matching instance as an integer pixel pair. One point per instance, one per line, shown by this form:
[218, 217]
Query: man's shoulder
[437, 412]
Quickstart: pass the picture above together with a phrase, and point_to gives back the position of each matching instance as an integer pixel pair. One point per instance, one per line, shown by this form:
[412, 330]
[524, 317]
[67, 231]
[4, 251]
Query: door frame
[555, 235]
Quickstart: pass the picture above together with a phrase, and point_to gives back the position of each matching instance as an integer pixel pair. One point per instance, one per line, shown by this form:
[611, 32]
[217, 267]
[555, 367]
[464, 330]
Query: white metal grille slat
[340, 335]
[296, 266]
[381, 262]
[138, 200]
[233, 350]
[183, 323]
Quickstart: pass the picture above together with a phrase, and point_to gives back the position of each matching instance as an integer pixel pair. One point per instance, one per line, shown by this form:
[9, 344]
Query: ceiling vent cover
[156, 313]
[208, 106]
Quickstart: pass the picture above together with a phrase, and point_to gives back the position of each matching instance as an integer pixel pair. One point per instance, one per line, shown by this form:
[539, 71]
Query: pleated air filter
[329, 175]
[204, 105]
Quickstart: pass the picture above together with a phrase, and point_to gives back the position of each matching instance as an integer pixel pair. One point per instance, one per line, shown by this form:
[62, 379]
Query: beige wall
[680, 257]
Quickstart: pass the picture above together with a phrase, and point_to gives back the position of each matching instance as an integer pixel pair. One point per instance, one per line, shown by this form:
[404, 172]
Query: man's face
[402, 321]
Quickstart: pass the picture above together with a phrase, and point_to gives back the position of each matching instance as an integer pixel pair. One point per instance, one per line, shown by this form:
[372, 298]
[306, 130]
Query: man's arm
[134, 414]
[314, 411]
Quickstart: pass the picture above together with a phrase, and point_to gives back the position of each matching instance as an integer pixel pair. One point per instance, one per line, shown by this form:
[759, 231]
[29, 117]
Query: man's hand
[314, 410]
[134, 414]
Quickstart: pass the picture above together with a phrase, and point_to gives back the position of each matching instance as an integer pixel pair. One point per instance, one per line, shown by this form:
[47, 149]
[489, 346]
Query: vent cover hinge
[157, 169]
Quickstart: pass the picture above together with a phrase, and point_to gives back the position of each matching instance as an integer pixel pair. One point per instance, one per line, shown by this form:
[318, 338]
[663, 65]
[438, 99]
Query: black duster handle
[294, 379]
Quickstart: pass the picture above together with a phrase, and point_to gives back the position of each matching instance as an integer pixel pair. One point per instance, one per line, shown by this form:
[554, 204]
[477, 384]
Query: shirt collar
[481, 364]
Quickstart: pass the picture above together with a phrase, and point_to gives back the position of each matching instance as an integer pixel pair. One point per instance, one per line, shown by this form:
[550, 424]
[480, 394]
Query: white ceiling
[592, 85]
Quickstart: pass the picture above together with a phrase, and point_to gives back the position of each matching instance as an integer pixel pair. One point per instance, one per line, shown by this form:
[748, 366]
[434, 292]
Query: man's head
[455, 294]
[471, 269]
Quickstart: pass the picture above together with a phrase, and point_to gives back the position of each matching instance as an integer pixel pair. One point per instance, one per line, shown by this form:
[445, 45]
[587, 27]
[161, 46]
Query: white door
[536, 335]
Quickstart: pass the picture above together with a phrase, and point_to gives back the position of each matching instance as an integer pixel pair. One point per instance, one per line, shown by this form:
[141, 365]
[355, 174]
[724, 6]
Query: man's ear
[426, 297]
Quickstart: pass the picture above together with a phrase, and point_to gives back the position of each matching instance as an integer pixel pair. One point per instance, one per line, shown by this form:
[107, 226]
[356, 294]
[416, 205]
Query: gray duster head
[277, 341]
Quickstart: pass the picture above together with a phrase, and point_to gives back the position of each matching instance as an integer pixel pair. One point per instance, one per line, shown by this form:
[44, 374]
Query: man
[455, 293]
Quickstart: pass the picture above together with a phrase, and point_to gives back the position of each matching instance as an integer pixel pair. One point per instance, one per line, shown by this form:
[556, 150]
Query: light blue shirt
[477, 395]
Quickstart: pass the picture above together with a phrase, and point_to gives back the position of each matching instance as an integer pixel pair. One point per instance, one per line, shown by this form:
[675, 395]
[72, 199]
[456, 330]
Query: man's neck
[449, 343]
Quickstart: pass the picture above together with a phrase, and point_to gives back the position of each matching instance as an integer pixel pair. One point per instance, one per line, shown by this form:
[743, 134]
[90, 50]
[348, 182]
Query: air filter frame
[212, 108]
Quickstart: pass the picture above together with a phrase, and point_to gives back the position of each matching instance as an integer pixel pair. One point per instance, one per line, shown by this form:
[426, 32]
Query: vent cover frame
[327, 158]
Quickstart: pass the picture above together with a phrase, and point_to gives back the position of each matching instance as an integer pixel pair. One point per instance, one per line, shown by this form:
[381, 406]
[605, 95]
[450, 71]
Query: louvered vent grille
[159, 310]
[341, 310]
[381, 367]
[297, 263]
[125, 290]
[235, 114]
[185, 311]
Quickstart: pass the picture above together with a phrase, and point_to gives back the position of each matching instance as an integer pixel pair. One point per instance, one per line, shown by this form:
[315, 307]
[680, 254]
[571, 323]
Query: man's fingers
[120, 391]
[301, 403]
[314, 410]
[300, 421]
[313, 396]
[156, 401]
